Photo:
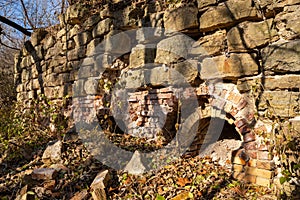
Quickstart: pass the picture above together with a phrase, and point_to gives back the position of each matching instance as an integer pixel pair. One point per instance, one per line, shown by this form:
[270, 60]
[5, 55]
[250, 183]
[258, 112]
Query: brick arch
[253, 161]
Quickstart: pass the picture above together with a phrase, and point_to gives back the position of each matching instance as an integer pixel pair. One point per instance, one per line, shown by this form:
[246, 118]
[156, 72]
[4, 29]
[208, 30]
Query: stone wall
[237, 57]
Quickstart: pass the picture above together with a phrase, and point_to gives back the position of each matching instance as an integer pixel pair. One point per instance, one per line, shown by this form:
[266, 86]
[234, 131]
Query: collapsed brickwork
[239, 58]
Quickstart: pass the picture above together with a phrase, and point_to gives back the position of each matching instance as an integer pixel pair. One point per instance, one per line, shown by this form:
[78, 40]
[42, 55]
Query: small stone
[99, 184]
[135, 165]
[43, 174]
[81, 195]
[52, 154]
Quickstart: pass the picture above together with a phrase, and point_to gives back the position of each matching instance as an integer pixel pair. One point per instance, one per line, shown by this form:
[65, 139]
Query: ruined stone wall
[240, 57]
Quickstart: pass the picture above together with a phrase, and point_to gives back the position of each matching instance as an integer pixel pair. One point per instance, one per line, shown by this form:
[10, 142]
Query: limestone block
[259, 172]
[91, 47]
[54, 92]
[205, 3]
[282, 57]
[74, 31]
[70, 44]
[249, 35]
[263, 181]
[38, 53]
[103, 61]
[213, 44]
[91, 86]
[35, 84]
[52, 154]
[105, 12]
[282, 82]
[132, 79]
[142, 54]
[237, 65]
[25, 75]
[188, 69]
[288, 22]
[91, 21]
[128, 17]
[75, 13]
[115, 42]
[148, 35]
[173, 48]
[99, 184]
[226, 14]
[26, 62]
[44, 174]
[295, 122]
[50, 41]
[82, 38]
[280, 103]
[135, 165]
[56, 79]
[181, 19]
[37, 36]
[77, 53]
[102, 27]
[61, 33]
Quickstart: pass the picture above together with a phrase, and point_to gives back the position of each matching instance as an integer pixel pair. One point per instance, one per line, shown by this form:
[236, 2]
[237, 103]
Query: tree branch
[26, 15]
[14, 25]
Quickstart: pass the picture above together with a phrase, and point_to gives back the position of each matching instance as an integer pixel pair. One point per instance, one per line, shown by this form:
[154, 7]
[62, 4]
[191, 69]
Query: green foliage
[24, 127]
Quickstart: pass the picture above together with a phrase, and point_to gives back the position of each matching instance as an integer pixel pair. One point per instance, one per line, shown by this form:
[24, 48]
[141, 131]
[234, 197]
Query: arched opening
[217, 142]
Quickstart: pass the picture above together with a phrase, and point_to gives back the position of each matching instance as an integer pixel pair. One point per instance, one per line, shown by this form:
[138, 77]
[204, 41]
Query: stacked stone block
[250, 47]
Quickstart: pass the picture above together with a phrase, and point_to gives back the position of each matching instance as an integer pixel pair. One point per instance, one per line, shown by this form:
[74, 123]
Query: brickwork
[243, 60]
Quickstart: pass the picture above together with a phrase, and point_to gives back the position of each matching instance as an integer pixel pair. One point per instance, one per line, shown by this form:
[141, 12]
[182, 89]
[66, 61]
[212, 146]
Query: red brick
[163, 90]
[223, 94]
[248, 137]
[245, 129]
[263, 181]
[233, 97]
[250, 145]
[165, 95]
[259, 172]
[244, 177]
[219, 103]
[264, 155]
[233, 111]
[252, 154]
[252, 163]
[238, 160]
[228, 107]
[242, 104]
[240, 122]
[263, 147]
[260, 130]
[263, 164]
[238, 168]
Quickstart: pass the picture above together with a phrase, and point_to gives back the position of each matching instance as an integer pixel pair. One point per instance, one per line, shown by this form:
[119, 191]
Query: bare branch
[26, 15]
[15, 25]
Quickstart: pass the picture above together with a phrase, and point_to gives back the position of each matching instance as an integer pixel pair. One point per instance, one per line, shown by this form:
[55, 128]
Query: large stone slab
[205, 3]
[226, 14]
[237, 65]
[142, 54]
[102, 27]
[173, 48]
[288, 22]
[280, 103]
[213, 44]
[249, 35]
[282, 57]
[181, 19]
[281, 82]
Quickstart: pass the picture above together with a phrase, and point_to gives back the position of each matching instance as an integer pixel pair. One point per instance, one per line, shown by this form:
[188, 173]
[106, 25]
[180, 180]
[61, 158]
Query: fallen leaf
[183, 181]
